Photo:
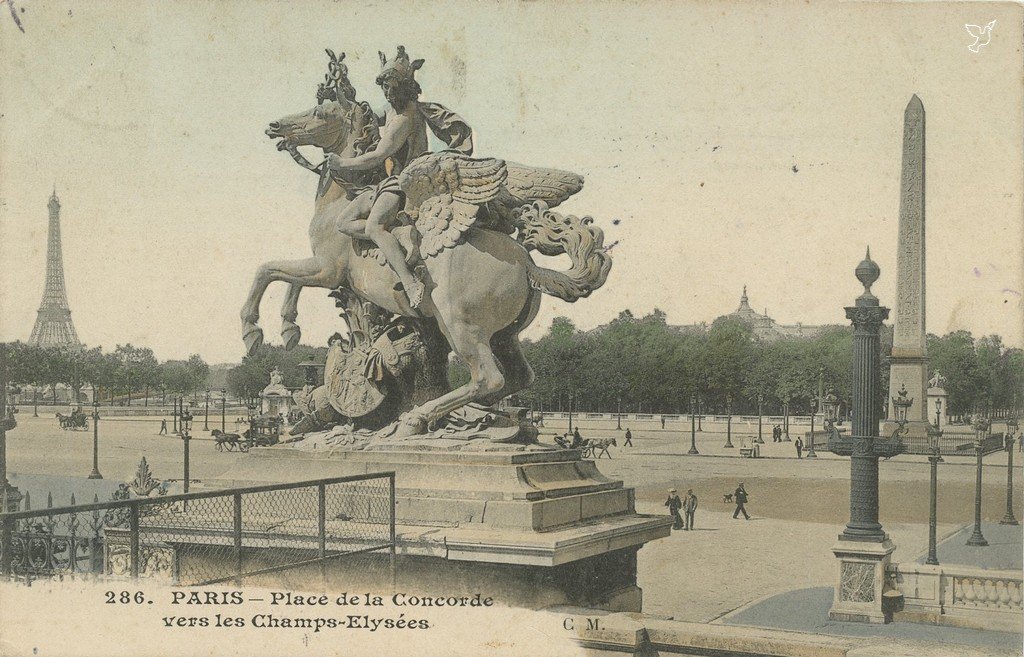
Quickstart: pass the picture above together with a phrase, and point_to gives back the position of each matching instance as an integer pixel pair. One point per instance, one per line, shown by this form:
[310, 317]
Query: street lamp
[618, 415]
[785, 419]
[570, 411]
[1011, 430]
[206, 412]
[938, 411]
[933, 459]
[693, 426]
[95, 474]
[223, 409]
[981, 427]
[728, 422]
[810, 443]
[760, 401]
[186, 426]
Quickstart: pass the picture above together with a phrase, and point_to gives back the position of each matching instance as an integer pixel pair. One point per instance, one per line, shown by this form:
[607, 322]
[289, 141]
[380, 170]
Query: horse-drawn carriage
[262, 432]
[78, 420]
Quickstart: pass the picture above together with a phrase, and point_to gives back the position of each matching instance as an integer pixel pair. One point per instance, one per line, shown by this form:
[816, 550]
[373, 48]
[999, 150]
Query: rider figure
[403, 138]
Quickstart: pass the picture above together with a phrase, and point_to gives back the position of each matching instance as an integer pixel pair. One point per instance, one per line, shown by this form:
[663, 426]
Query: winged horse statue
[470, 223]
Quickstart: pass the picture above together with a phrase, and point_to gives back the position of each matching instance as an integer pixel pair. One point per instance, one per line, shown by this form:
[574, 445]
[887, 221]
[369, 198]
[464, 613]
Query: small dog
[727, 498]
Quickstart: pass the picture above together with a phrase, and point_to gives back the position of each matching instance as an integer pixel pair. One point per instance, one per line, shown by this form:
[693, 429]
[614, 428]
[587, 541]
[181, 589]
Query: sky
[735, 144]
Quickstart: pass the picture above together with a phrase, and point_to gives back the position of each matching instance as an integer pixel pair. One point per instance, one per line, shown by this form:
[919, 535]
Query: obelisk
[909, 362]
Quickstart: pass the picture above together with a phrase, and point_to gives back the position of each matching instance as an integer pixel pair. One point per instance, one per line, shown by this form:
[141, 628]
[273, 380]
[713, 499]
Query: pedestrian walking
[629, 438]
[689, 508]
[674, 504]
[799, 444]
[163, 427]
[740, 497]
[662, 421]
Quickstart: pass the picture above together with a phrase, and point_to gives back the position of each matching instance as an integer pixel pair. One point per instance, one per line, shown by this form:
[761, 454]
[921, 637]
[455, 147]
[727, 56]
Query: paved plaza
[798, 508]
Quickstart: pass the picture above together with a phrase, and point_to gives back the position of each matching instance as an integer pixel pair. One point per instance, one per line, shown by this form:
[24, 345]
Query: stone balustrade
[959, 595]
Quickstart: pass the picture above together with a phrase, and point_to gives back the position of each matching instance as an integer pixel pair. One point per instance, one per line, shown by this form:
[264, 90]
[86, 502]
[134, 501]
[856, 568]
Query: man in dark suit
[629, 438]
[689, 508]
[740, 497]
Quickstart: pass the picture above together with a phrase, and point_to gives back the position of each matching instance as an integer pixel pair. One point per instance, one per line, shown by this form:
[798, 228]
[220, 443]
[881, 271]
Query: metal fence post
[238, 538]
[391, 548]
[6, 537]
[321, 530]
[133, 529]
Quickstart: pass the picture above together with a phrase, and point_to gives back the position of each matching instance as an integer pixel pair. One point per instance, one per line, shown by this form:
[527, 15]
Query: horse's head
[325, 126]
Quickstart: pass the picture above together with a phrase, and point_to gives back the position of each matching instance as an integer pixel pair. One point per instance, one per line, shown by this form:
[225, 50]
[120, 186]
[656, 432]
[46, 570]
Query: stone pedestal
[495, 518]
[860, 580]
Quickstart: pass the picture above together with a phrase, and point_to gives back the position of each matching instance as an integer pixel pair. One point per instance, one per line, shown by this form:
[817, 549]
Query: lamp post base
[976, 539]
[95, 475]
[1008, 519]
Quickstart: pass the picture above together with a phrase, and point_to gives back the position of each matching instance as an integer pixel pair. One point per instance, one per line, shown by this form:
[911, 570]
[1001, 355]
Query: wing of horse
[443, 193]
[526, 184]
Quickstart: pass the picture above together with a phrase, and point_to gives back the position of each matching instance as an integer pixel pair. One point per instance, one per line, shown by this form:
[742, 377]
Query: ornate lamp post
[760, 401]
[35, 401]
[864, 446]
[95, 474]
[981, 427]
[186, 427]
[223, 409]
[785, 419]
[206, 412]
[693, 425]
[174, 414]
[933, 459]
[570, 411]
[1011, 430]
[728, 422]
[938, 412]
[811, 454]
[618, 414]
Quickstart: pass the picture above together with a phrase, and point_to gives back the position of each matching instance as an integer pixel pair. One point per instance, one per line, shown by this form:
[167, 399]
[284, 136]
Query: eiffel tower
[53, 326]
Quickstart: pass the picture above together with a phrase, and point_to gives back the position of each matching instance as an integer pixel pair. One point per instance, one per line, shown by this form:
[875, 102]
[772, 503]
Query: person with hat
[674, 504]
[689, 509]
[740, 497]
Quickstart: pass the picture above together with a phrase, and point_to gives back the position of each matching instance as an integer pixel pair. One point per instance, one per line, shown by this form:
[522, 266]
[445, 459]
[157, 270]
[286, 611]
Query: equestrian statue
[437, 242]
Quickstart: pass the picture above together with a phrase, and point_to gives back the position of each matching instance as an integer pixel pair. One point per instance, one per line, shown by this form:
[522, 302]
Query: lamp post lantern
[981, 427]
[1011, 431]
[693, 426]
[938, 411]
[95, 474]
[728, 422]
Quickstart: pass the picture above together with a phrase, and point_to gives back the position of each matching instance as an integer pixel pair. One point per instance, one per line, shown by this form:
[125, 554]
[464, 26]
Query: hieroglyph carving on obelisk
[909, 364]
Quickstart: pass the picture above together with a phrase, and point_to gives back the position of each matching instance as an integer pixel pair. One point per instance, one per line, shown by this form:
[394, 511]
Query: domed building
[767, 329]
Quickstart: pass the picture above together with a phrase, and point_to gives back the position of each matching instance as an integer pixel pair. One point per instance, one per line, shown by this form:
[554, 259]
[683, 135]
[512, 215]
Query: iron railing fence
[951, 444]
[205, 537]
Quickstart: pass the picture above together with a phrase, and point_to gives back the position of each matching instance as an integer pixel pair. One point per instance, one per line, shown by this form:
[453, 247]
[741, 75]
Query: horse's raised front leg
[290, 331]
[309, 272]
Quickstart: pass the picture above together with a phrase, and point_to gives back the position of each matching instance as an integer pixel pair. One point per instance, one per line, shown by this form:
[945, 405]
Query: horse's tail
[553, 234]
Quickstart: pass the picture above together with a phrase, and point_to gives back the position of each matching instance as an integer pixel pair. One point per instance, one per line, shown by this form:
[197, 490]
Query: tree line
[643, 364]
[120, 376]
